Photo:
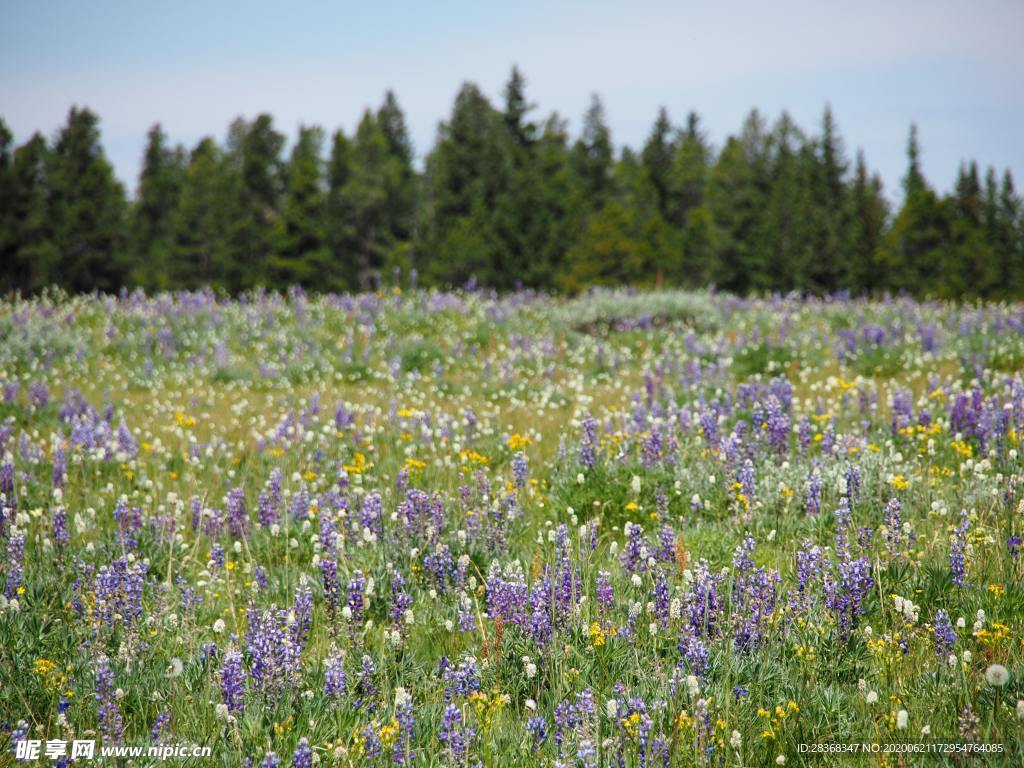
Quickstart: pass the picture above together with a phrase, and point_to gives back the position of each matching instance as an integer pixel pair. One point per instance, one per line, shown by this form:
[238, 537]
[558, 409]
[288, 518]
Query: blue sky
[956, 68]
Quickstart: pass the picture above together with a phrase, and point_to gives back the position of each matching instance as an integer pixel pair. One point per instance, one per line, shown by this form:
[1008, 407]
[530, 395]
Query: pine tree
[867, 220]
[592, 156]
[200, 221]
[401, 188]
[255, 168]
[970, 266]
[1011, 238]
[160, 183]
[339, 226]
[87, 208]
[301, 255]
[466, 171]
[9, 280]
[367, 195]
[657, 156]
[828, 211]
[30, 259]
[688, 177]
[912, 250]
[737, 195]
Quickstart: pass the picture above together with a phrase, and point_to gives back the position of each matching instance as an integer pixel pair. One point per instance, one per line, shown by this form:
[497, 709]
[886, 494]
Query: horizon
[953, 73]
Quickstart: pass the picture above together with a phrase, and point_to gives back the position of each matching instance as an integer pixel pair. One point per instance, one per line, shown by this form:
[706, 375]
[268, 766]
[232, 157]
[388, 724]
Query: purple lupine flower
[301, 617]
[845, 596]
[945, 635]
[371, 515]
[709, 426]
[461, 681]
[232, 682]
[439, 564]
[537, 728]
[588, 443]
[634, 559]
[694, 654]
[303, 755]
[365, 687]
[1014, 545]
[39, 395]
[810, 564]
[401, 751]
[161, 727]
[454, 735]
[519, 470]
[332, 587]
[957, 551]
[605, 597]
[652, 448]
[60, 527]
[270, 760]
[748, 480]
[15, 559]
[216, 555]
[60, 468]
[118, 590]
[111, 722]
[893, 526]
[704, 602]
[662, 596]
[272, 650]
[356, 604]
[540, 626]
[299, 507]
[812, 500]
[335, 680]
[370, 742]
[237, 513]
[126, 443]
[269, 502]
[400, 601]
[129, 522]
[852, 484]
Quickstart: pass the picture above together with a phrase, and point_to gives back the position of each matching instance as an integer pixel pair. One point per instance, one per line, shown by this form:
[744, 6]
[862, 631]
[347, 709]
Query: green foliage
[505, 199]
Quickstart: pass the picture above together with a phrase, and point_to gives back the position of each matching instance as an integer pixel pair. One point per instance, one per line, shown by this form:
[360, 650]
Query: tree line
[505, 200]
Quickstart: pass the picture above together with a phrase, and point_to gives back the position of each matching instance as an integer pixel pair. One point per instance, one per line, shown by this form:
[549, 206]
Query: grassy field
[454, 529]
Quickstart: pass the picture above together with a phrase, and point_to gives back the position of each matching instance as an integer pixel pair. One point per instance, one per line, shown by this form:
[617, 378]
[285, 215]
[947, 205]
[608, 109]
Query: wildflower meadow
[427, 528]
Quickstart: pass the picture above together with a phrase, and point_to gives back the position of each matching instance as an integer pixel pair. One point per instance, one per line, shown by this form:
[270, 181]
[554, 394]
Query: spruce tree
[88, 208]
[301, 255]
[592, 156]
[160, 183]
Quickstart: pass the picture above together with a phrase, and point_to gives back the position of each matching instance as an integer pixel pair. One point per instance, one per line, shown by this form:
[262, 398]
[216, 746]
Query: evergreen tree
[301, 255]
[911, 252]
[255, 169]
[87, 208]
[160, 183]
[30, 260]
[828, 210]
[867, 220]
[367, 195]
[781, 254]
[401, 187]
[339, 227]
[592, 156]
[688, 176]
[8, 245]
[737, 195]
[969, 265]
[657, 157]
[1010, 242]
[199, 247]
[466, 171]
